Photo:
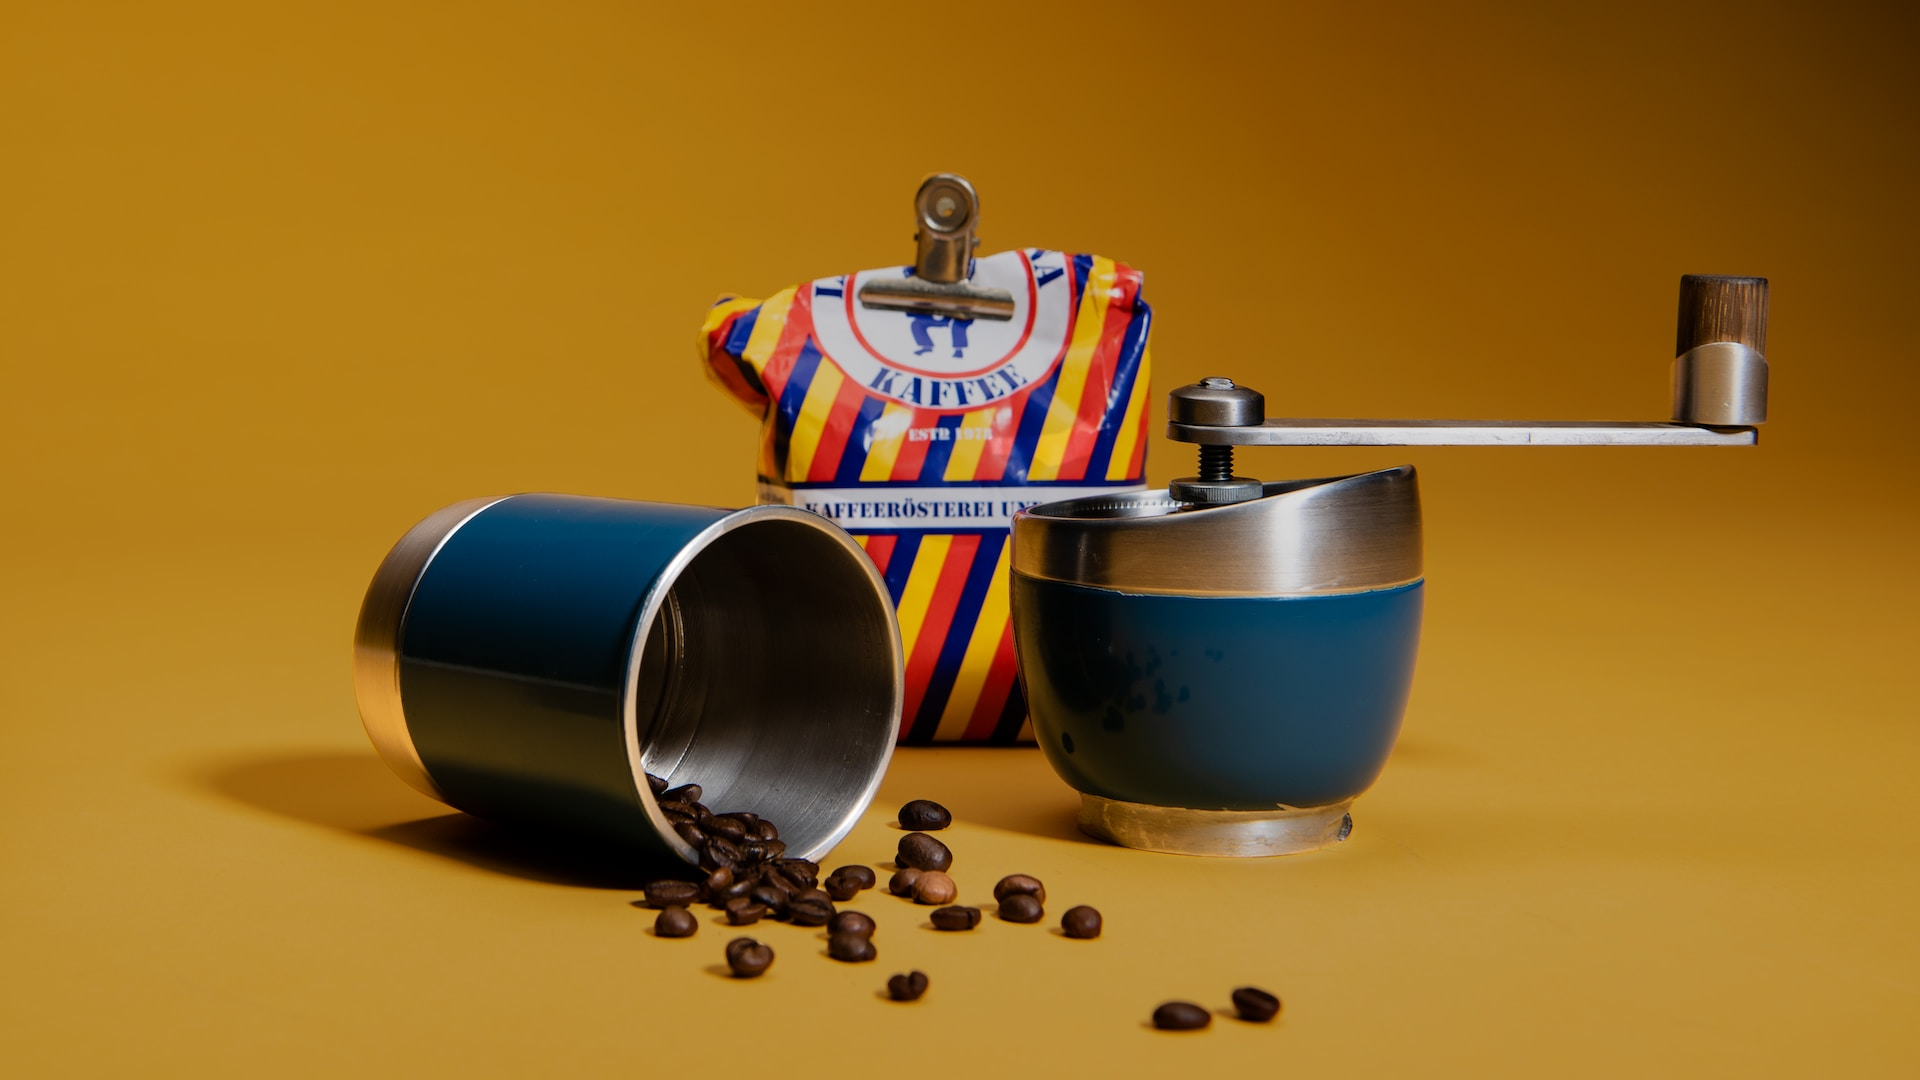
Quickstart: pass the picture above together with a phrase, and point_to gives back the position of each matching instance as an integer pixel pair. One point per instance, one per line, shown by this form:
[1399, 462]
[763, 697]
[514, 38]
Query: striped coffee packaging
[922, 434]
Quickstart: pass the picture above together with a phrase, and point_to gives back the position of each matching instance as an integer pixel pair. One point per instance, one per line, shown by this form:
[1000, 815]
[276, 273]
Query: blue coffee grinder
[1220, 667]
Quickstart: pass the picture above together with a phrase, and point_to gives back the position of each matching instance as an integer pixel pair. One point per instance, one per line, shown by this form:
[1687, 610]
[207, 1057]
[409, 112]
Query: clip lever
[948, 210]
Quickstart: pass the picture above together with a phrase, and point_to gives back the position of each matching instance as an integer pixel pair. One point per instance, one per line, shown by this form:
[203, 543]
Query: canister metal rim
[378, 633]
[650, 606]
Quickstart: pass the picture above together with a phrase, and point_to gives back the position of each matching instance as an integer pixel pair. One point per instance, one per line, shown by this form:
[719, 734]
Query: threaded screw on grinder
[1216, 402]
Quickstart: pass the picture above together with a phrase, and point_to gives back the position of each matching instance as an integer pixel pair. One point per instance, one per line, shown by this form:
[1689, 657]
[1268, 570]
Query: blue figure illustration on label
[956, 327]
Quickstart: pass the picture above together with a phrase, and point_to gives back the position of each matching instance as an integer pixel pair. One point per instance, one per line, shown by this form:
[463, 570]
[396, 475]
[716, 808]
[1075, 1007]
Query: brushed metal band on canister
[376, 641]
[531, 659]
[1300, 538]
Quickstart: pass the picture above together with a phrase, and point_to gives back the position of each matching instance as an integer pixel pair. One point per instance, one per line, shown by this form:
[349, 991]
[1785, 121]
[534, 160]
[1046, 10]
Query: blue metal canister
[1221, 679]
[532, 659]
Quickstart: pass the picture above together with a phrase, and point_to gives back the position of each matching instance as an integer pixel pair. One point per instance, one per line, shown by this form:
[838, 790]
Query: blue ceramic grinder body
[1221, 679]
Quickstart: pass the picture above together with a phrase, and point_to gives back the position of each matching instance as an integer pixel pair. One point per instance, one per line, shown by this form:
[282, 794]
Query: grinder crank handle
[1719, 396]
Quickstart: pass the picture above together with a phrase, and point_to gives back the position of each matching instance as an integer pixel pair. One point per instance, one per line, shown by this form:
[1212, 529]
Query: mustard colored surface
[278, 280]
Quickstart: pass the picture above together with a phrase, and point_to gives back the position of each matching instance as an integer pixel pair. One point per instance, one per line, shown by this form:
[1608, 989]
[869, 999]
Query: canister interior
[768, 676]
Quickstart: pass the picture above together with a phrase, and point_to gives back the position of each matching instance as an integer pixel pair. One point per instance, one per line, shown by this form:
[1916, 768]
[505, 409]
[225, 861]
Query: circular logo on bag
[946, 361]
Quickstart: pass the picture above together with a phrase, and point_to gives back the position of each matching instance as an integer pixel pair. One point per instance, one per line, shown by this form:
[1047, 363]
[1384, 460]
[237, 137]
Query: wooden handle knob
[1715, 307]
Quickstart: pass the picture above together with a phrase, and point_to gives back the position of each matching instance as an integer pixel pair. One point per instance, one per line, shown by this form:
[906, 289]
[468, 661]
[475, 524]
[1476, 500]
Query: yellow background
[277, 280]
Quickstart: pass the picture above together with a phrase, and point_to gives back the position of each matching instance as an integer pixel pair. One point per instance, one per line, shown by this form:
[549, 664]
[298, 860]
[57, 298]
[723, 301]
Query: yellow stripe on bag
[918, 594]
[767, 328]
[888, 432]
[1051, 451]
[812, 419]
[1128, 436]
[965, 462]
[978, 662]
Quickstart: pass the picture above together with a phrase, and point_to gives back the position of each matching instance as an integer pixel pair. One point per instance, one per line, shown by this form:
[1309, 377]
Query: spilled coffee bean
[1016, 884]
[851, 948]
[923, 852]
[675, 922]
[924, 815]
[1255, 1004]
[1021, 908]
[934, 887]
[1081, 922]
[901, 884]
[809, 912]
[671, 892]
[748, 958]
[955, 918]
[1181, 1016]
[851, 922]
[744, 912]
[907, 987]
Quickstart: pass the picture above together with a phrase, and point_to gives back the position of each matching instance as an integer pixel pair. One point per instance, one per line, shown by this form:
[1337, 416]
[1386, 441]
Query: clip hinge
[948, 211]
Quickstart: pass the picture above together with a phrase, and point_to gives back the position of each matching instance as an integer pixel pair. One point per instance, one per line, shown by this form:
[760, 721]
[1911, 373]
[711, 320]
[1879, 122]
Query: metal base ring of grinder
[1235, 834]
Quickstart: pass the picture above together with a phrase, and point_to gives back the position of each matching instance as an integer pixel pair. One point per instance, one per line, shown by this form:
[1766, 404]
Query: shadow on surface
[355, 793]
[1006, 788]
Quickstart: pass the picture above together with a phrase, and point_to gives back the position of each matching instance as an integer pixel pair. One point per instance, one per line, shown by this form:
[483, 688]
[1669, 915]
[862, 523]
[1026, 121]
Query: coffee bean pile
[749, 878]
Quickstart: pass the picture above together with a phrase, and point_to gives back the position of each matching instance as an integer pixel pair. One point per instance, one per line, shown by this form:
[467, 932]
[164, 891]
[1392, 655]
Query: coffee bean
[923, 852]
[804, 871]
[860, 875]
[814, 894]
[774, 900]
[955, 918]
[1255, 1004]
[719, 852]
[667, 893]
[924, 815]
[851, 922]
[721, 878]
[809, 912]
[1081, 922]
[842, 889]
[851, 948]
[744, 912]
[1181, 1016]
[1021, 908]
[762, 850]
[685, 793]
[730, 827]
[765, 831]
[747, 817]
[675, 921]
[934, 887]
[901, 884]
[1015, 884]
[656, 784]
[748, 958]
[674, 808]
[907, 987]
[690, 833]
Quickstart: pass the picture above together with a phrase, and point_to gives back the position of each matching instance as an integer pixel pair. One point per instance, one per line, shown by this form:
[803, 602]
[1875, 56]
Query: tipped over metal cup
[532, 659]
[1221, 679]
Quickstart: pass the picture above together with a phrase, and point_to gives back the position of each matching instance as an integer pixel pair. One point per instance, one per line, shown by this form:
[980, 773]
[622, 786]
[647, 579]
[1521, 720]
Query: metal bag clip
[948, 211]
